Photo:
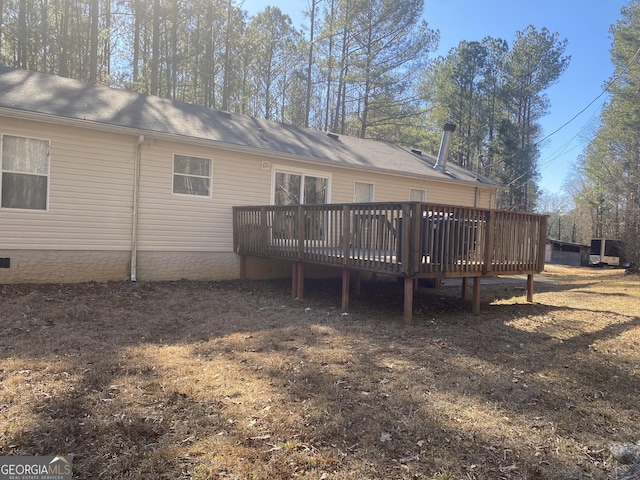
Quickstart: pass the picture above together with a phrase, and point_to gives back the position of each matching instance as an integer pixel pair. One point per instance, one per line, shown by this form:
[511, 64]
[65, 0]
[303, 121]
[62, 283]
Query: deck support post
[475, 309]
[530, 288]
[346, 276]
[294, 280]
[464, 287]
[243, 267]
[408, 300]
[297, 280]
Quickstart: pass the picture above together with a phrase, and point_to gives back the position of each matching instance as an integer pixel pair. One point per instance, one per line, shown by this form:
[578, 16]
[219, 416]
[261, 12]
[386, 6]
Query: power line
[604, 90]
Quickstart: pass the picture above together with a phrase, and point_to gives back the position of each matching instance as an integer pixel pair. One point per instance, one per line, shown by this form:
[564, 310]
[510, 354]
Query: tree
[559, 208]
[610, 165]
[275, 57]
[392, 46]
[457, 90]
[312, 29]
[495, 94]
[534, 63]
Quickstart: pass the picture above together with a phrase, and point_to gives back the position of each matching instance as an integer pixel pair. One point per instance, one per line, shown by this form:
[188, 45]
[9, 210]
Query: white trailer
[606, 252]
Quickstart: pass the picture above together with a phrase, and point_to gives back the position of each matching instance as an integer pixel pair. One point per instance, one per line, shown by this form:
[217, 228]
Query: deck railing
[408, 239]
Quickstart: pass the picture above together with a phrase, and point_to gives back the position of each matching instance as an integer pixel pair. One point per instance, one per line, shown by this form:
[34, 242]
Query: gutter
[134, 220]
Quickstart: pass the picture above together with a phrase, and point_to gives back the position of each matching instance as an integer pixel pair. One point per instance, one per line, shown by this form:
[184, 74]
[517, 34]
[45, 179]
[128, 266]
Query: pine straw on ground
[234, 380]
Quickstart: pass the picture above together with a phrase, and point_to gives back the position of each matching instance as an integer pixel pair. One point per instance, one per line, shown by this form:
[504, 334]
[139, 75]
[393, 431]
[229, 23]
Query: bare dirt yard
[235, 380]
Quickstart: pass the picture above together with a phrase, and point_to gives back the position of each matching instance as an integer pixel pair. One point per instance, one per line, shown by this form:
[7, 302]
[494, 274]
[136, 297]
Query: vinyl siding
[169, 222]
[90, 192]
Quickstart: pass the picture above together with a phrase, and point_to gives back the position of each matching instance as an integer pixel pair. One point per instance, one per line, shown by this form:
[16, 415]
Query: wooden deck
[405, 239]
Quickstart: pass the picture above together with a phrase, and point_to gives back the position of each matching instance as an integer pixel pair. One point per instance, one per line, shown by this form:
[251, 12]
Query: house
[104, 184]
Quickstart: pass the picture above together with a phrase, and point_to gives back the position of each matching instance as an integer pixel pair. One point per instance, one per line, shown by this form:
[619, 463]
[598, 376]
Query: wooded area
[602, 198]
[359, 67]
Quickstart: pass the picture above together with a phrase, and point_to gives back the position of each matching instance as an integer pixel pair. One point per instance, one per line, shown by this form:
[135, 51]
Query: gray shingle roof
[37, 93]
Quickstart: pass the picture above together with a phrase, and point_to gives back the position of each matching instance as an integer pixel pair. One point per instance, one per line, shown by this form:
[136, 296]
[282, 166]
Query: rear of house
[101, 184]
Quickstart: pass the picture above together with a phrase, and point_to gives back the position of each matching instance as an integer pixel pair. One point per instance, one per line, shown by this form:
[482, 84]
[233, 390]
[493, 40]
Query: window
[296, 188]
[191, 175]
[299, 188]
[363, 192]
[25, 172]
[417, 195]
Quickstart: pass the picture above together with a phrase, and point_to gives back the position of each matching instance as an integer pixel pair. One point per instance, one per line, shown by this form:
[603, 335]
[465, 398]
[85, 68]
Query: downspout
[134, 222]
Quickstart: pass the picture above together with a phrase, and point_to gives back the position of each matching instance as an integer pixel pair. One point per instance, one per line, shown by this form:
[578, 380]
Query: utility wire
[604, 90]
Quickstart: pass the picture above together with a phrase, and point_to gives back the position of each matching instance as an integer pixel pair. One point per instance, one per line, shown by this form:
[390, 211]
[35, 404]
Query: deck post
[487, 265]
[346, 275]
[416, 232]
[542, 242]
[530, 288]
[264, 231]
[301, 218]
[346, 236]
[236, 233]
[300, 278]
[408, 300]
[243, 267]
[476, 296]
[464, 287]
[294, 280]
[406, 239]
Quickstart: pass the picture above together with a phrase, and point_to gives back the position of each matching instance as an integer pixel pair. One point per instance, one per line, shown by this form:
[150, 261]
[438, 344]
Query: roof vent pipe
[441, 163]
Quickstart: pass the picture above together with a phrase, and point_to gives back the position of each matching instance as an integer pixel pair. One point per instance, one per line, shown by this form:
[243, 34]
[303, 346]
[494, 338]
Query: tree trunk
[227, 60]
[63, 58]
[22, 35]
[307, 106]
[155, 48]
[137, 14]
[93, 40]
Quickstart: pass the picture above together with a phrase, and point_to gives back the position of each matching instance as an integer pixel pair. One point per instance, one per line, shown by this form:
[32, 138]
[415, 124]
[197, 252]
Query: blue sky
[584, 23]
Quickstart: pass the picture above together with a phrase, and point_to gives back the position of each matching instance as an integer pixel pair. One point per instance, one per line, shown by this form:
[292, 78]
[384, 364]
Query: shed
[567, 253]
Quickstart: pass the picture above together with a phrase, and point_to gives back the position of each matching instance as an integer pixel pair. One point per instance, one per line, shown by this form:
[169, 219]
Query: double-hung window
[25, 173]
[417, 195]
[191, 175]
[363, 192]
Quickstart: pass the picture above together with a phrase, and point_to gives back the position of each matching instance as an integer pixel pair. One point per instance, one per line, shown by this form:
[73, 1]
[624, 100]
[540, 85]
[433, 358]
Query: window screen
[192, 175]
[25, 172]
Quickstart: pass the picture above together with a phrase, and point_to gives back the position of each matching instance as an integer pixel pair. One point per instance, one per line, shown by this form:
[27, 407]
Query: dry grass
[235, 380]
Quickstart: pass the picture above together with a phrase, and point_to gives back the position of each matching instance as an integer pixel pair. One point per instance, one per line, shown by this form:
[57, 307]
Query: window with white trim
[295, 188]
[25, 173]
[417, 195]
[363, 192]
[192, 175]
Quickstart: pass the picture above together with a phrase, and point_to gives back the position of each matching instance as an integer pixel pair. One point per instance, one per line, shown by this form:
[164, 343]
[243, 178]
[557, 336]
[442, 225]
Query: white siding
[90, 192]
[169, 222]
